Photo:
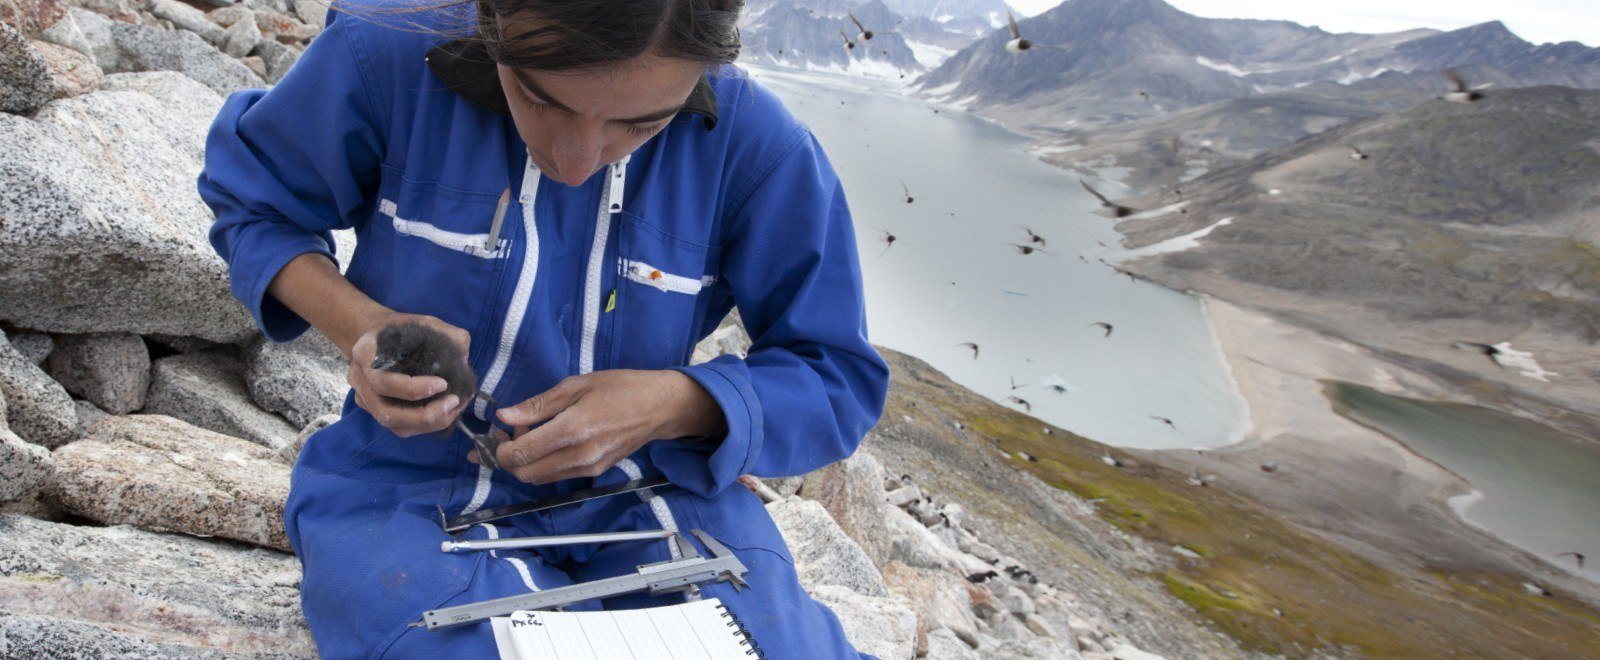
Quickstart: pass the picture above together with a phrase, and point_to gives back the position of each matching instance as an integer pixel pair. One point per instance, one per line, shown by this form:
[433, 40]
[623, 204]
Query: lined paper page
[690, 631]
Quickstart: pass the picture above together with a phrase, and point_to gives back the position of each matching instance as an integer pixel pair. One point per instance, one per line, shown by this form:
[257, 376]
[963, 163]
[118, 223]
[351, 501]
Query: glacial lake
[954, 276]
[1535, 487]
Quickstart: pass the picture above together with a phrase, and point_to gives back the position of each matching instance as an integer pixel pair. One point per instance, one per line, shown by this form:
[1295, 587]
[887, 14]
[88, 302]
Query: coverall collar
[466, 68]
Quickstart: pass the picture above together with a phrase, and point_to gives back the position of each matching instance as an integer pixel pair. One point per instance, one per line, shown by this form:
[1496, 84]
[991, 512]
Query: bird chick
[415, 349]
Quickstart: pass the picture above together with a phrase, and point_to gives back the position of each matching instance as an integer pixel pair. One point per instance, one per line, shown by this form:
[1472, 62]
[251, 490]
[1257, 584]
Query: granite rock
[302, 380]
[91, 592]
[111, 370]
[162, 473]
[823, 553]
[38, 409]
[207, 389]
[24, 78]
[126, 205]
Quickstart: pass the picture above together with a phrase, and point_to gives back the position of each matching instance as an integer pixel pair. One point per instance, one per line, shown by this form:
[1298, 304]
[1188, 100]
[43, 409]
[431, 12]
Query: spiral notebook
[697, 630]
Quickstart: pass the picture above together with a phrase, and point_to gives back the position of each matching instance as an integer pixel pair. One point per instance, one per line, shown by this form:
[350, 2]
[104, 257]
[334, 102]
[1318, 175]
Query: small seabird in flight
[1114, 209]
[1021, 402]
[972, 346]
[1103, 326]
[1356, 153]
[1108, 459]
[1459, 93]
[888, 239]
[1032, 237]
[1026, 250]
[1576, 556]
[909, 198]
[1166, 421]
[848, 44]
[862, 33]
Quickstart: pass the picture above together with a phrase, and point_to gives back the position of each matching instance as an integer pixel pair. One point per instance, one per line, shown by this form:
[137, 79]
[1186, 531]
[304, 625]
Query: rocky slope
[1474, 222]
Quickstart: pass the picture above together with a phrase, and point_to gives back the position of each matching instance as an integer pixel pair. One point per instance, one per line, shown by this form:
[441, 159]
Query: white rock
[111, 370]
[67, 34]
[823, 553]
[187, 18]
[904, 495]
[64, 589]
[1130, 652]
[301, 380]
[126, 205]
[851, 491]
[207, 390]
[143, 48]
[162, 473]
[242, 36]
[877, 626]
[311, 12]
[913, 544]
[944, 645]
[38, 409]
[291, 453]
[942, 598]
[981, 550]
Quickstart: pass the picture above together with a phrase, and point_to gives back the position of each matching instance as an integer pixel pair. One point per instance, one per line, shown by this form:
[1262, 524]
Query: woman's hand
[371, 385]
[594, 420]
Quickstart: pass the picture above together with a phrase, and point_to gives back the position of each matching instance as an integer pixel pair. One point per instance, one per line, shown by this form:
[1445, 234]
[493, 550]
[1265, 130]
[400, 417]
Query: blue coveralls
[361, 133]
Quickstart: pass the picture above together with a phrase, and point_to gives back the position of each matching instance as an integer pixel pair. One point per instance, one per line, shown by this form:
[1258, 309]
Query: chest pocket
[662, 287]
[432, 250]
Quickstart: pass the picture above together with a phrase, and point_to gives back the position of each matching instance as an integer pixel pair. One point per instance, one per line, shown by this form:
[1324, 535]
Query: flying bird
[1026, 250]
[909, 198]
[1459, 93]
[1197, 479]
[972, 346]
[848, 44]
[1116, 210]
[862, 32]
[888, 239]
[1058, 388]
[1032, 237]
[1108, 459]
[1104, 326]
[1144, 95]
[415, 349]
[1021, 402]
[1576, 556]
[1014, 385]
[1166, 421]
[1356, 153]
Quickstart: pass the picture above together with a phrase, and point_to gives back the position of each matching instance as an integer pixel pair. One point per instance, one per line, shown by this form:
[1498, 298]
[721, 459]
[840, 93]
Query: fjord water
[953, 275]
[1535, 487]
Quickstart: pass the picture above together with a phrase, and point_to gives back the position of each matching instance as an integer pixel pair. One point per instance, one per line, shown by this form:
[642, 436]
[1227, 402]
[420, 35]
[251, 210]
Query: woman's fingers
[401, 386]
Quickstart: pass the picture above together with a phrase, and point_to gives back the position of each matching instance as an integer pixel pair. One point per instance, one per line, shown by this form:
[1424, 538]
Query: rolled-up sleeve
[812, 385]
[287, 166]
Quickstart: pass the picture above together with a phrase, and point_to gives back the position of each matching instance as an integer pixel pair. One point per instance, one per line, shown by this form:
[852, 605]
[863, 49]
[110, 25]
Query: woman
[652, 187]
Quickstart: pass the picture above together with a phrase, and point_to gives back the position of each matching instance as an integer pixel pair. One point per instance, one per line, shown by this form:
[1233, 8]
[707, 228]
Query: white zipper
[610, 203]
[643, 273]
[524, 291]
[468, 244]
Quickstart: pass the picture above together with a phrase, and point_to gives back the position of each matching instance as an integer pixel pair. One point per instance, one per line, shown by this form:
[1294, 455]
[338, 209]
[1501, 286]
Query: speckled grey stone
[24, 78]
[207, 390]
[144, 48]
[852, 492]
[37, 408]
[242, 36]
[882, 627]
[110, 369]
[162, 473]
[311, 12]
[291, 453]
[66, 33]
[278, 58]
[182, 596]
[35, 346]
[88, 414]
[187, 18]
[71, 73]
[184, 344]
[126, 205]
[24, 467]
[301, 380]
[823, 554]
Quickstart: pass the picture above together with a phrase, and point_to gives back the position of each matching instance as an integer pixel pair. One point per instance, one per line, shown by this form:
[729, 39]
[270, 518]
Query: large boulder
[823, 553]
[110, 369]
[32, 17]
[37, 408]
[121, 592]
[71, 73]
[24, 467]
[35, 346]
[143, 48]
[24, 77]
[852, 492]
[207, 389]
[878, 626]
[188, 18]
[940, 597]
[162, 473]
[112, 228]
[302, 380]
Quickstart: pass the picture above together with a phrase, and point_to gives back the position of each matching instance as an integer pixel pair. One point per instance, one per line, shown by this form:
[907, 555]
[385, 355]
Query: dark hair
[582, 34]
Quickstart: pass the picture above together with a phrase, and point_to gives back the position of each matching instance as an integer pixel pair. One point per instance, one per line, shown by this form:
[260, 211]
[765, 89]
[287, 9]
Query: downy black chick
[415, 349]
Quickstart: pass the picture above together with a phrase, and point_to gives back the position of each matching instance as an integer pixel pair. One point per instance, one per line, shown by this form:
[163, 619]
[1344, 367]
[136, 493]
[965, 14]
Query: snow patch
[1187, 241]
[929, 55]
[1522, 362]
[1354, 77]
[1221, 66]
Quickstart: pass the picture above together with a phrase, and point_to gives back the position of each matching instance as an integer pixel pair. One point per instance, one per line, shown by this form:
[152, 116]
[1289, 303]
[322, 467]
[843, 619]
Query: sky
[1537, 21]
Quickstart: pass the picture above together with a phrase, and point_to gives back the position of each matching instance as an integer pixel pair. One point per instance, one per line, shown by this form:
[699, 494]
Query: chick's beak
[382, 363]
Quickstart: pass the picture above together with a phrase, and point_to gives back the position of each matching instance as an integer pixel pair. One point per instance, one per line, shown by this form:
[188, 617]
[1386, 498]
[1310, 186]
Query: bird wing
[845, 36]
[853, 19]
[1015, 33]
[1456, 83]
[903, 187]
[1096, 193]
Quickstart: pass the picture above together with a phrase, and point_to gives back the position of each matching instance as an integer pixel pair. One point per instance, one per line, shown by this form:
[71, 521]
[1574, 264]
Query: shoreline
[1404, 509]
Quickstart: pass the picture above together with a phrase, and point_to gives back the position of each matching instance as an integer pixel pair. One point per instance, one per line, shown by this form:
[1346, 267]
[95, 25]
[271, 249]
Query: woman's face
[576, 123]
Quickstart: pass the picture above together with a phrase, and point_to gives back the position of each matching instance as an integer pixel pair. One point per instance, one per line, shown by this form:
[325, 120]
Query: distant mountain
[1467, 221]
[944, 11]
[1101, 54]
[807, 35]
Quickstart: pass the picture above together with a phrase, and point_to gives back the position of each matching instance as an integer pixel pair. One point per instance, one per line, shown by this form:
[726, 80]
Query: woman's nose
[577, 155]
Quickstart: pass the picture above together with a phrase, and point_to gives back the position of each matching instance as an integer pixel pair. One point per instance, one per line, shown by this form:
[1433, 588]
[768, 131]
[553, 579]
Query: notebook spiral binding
[749, 642]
